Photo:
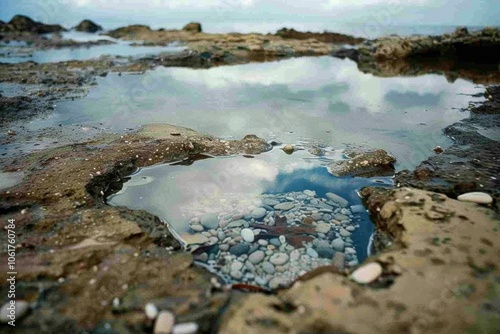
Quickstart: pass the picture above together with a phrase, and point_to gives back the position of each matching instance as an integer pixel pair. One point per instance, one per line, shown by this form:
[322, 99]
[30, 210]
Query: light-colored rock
[236, 223]
[337, 199]
[197, 228]
[476, 197]
[151, 311]
[323, 228]
[164, 323]
[247, 235]
[21, 308]
[279, 259]
[210, 221]
[191, 239]
[339, 260]
[185, 328]
[258, 213]
[367, 273]
[284, 206]
[312, 253]
[309, 193]
[256, 257]
[338, 244]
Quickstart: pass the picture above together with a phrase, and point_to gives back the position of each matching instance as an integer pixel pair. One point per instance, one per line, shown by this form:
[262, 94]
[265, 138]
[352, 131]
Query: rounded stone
[185, 328]
[312, 253]
[279, 259]
[256, 257]
[325, 252]
[476, 197]
[309, 193]
[323, 228]
[284, 206]
[197, 228]
[367, 273]
[21, 308]
[247, 235]
[210, 221]
[268, 267]
[258, 213]
[151, 311]
[239, 249]
[288, 149]
[164, 323]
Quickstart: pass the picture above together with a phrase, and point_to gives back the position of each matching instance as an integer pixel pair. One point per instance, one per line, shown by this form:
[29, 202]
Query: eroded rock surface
[363, 161]
[436, 277]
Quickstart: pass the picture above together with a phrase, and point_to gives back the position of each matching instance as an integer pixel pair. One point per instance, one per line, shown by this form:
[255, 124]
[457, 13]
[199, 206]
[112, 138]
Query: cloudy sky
[323, 13]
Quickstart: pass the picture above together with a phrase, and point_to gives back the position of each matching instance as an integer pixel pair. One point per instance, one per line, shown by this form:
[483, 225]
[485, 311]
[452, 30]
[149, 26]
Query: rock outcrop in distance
[478, 45]
[88, 26]
[193, 26]
[21, 23]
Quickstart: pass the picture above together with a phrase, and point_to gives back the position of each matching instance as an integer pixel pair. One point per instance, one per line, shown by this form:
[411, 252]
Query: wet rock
[164, 323]
[279, 259]
[288, 149]
[210, 221]
[316, 151]
[309, 193]
[344, 233]
[367, 273]
[476, 197]
[239, 249]
[88, 26]
[268, 267]
[196, 238]
[337, 199]
[325, 252]
[284, 206]
[193, 26]
[258, 213]
[19, 309]
[462, 45]
[338, 244]
[197, 228]
[256, 257]
[312, 253]
[247, 235]
[364, 162]
[236, 223]
[358, 208]
[323, 228]
[339, 260]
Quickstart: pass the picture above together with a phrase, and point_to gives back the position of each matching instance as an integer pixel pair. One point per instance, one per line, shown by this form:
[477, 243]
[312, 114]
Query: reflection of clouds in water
[304, 74]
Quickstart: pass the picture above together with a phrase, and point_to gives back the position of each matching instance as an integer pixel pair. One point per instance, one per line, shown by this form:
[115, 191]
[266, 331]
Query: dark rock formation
[363, 161]
[128, 30]
[325, 37]
[21, 23]
[88, 26]
[193, 26]
[483, 45]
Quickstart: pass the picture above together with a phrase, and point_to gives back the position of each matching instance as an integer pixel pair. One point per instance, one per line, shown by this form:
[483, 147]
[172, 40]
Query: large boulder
[21, 23]
[193, 26]
[88, 26]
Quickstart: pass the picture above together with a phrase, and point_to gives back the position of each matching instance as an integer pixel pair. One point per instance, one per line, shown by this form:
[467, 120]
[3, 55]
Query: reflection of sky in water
[325, 99]
[173, 193]
[120, 48]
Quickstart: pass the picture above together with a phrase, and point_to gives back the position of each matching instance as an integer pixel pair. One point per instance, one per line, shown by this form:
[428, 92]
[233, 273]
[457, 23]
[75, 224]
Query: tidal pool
[262, 220]
[321, 99]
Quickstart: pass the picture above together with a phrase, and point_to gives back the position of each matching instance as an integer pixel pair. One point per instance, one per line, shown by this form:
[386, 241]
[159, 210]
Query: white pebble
[247, 235]
[151, 311]
[367, 273]
[185, 328]
[476, 197]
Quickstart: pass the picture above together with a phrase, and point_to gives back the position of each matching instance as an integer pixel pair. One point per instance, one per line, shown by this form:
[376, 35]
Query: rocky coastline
[89, 267]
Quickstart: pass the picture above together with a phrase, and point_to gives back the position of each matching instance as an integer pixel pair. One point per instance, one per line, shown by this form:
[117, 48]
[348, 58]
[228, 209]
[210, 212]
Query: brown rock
[193, 26]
